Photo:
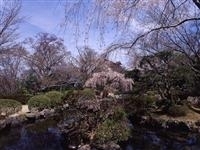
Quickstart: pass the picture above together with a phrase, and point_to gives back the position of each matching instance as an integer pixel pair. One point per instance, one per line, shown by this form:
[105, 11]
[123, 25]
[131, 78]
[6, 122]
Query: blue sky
[42, 16]
[48, 16]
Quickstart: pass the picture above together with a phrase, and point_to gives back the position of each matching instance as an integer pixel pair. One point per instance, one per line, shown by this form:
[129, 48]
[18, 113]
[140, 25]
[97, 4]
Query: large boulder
[85, 147]
[109, 146]
[194, 100]
[3, 124]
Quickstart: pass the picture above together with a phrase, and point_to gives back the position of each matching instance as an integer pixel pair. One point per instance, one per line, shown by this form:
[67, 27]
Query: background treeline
[166, 59]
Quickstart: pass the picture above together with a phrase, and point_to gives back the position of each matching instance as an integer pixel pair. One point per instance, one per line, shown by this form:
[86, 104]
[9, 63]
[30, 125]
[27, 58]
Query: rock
[113, 146]
[193, 100]
[25, 109]
[47, 113]
[69, 127]
[42, 113]
[109, 146]
[3, 124]
[144, 119]
[164, 125]
[112, 95]
[59, 110]
[16, 120]
[65, 106]
[85, 147]
[3, 114]
[14, 115]
[91, 105]
[31, 116]
[72, 147]
[177, 125]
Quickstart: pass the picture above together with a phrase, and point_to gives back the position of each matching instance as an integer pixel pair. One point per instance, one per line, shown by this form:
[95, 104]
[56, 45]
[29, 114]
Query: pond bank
[188, 123]
[25, 116]
[45, 135]
[154, 129]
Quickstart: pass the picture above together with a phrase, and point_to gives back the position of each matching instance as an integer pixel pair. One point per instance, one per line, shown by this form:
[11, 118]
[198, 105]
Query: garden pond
[45, 135]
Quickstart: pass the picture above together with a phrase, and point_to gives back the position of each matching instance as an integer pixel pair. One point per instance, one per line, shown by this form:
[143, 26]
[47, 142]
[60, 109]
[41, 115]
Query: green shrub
[66, 94]
[76, 92]
[144, 101]
[9, 106]
[119, 114]
[39, 102]
[177, 110]
[71, 96]
[148, 99]
[111, 130]
[152, 93]
[88, 93]
[55, 98]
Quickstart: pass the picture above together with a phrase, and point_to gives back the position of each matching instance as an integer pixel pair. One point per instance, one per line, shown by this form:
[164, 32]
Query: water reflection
[40, 136]
[143, 139]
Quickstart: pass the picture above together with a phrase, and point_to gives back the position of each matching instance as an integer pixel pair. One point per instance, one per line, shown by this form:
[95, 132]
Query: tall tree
[49, 55]
[11, 53]
[11, 68]
[89, 62]
[9, 20]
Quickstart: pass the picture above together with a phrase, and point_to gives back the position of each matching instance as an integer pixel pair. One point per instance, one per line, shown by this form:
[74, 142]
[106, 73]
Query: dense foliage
[48, 100]
[165, 77]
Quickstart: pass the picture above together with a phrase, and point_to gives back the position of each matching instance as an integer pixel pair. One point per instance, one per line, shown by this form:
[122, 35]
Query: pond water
[144, 139]
[45, 135]
[42, 135]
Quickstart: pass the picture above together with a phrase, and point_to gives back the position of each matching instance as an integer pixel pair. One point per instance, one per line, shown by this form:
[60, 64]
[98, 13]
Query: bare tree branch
[197, 2]
[160, 28]
[9, 20]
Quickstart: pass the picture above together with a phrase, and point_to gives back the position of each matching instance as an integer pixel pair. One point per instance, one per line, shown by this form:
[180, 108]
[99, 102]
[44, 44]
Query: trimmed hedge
[48, 100]
[39, 102]
[55, 98]
[9, 106]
